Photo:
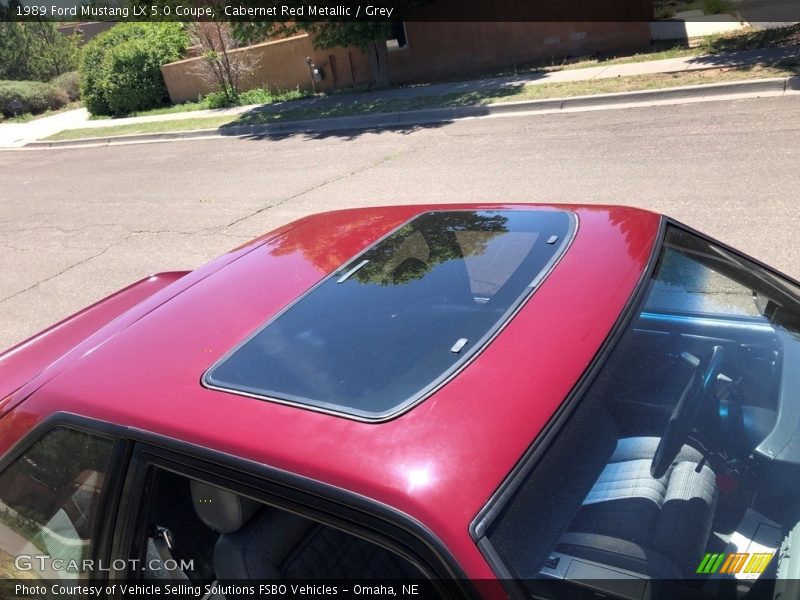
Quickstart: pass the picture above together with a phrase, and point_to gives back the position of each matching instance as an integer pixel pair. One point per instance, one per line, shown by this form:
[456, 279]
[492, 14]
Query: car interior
[682, 462]
[228, 537]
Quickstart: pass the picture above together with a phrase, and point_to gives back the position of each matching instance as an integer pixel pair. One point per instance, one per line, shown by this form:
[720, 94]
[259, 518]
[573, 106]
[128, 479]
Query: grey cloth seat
[276, 544]
[260, 542]
[657, 527]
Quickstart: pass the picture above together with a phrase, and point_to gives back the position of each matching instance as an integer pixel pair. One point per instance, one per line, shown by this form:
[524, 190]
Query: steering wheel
[697, 392]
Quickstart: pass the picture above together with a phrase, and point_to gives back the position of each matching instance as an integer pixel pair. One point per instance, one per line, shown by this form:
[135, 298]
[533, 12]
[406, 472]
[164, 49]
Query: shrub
[133, 78]
[715, 7]
[70, 83]
[217, 100]
[265, 95]
[20, 97]
[261, 95]
[120, 70]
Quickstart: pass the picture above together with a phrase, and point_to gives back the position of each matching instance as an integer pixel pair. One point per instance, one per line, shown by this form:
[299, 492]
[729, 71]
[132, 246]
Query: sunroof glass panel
[396, 321]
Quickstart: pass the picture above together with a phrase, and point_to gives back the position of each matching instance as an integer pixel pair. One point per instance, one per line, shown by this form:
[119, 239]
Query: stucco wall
[280, 65]
[435, 51]
[88, 29]
[446, 50]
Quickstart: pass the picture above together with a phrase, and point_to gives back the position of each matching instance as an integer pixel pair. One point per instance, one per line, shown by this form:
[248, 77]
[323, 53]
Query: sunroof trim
[352, 271]
[473, 348]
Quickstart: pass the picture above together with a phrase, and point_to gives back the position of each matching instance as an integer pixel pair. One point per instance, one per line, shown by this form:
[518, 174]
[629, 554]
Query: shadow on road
[746, 60]
[345, 134]
[349, 117]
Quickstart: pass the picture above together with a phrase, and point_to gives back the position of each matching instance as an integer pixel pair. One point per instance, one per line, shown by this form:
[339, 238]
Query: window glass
[197, 532]
[397, 38]
[682, 460]
[48, 505]
[687, 286]
[396, 320]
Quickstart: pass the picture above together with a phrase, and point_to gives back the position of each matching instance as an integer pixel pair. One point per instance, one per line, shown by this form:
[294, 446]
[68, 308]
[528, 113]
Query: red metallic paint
[22, 362]
[441, 461]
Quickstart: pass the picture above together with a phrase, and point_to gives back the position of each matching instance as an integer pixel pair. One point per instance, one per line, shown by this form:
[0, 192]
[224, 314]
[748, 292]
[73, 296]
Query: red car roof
[439, 462]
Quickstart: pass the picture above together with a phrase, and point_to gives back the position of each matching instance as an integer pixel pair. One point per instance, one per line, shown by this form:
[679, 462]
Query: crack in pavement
[72, 230]
[10, 247]
[383, 160]
[169, 231]
[66, 269]
[61, 229]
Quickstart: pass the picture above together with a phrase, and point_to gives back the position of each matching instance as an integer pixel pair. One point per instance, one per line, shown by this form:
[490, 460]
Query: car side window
[192, 531]
[49, 498]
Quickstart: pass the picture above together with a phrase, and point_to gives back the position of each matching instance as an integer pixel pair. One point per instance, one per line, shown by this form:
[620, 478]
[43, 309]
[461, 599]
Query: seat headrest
[221, 509]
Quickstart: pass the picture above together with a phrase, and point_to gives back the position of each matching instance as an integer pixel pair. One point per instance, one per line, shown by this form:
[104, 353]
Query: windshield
[681, 460]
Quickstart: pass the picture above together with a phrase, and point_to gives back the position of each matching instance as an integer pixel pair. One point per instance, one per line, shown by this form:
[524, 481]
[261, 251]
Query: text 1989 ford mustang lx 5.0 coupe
[531, 400]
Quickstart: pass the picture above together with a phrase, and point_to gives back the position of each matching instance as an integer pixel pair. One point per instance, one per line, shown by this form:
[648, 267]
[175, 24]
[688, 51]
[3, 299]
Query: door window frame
[104, 524]
[320, 502]
[137, 453]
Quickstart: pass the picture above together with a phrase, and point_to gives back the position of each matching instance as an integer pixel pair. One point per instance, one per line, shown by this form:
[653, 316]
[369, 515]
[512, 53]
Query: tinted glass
[48, 503]
[198, 533]
[682, 460]
[394, 321]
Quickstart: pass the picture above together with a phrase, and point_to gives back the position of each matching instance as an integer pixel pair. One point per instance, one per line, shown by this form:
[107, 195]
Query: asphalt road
[766, 11]
[76, 225]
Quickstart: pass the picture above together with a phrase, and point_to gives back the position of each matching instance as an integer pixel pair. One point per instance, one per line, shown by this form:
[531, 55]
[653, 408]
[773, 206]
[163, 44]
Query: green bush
[715, 7]
[133, 78]
[217, 100]
[120, 70]
[265, 95]
[70, 83]
[260, 95]
[34, 97]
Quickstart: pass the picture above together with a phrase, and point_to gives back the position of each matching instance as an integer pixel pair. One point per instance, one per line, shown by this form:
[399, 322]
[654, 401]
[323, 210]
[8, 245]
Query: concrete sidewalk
[18, 134]
[15, 135]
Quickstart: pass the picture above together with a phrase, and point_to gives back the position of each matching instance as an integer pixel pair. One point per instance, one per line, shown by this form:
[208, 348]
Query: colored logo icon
[735, 563]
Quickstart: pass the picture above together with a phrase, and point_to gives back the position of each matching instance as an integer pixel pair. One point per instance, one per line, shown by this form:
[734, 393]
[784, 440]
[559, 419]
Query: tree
[368, 37]
[436, 237]
[432, 236]
[220, 65]
[59, 53]
[36, 50]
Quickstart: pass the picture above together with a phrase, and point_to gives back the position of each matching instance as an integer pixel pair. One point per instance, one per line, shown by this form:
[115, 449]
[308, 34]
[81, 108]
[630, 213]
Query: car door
[211, 523]
[96, 504]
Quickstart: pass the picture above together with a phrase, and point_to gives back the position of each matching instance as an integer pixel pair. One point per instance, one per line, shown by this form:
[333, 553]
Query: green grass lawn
[647, 82]
[152, 127]
[349, 107]
[748, 39]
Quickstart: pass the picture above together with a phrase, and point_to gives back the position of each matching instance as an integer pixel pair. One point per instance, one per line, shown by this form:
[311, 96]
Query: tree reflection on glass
[432, 239]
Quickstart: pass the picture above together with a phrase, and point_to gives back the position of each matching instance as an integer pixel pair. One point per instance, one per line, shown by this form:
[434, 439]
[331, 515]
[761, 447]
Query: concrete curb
[751, 88]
